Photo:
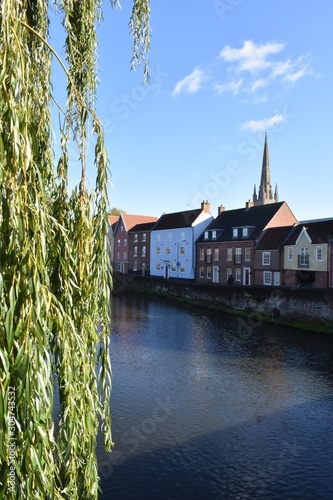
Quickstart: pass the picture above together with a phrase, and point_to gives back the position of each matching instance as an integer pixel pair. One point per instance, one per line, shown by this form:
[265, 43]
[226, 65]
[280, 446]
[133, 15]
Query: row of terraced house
[260, 244]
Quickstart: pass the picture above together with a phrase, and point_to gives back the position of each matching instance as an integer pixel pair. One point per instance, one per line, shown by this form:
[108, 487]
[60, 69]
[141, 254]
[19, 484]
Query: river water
[211, 406]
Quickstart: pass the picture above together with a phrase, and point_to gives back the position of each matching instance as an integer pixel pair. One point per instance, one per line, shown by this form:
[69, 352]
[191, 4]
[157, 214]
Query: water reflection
[200, 411]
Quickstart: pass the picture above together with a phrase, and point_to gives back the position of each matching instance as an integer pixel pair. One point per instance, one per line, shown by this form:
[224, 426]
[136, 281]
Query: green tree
[55, 279]
[116, 211]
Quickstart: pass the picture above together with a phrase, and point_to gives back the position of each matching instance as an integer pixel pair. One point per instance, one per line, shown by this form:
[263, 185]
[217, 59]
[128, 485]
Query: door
[215, 274]
[276, 278]
[166, 270]
[246, 276]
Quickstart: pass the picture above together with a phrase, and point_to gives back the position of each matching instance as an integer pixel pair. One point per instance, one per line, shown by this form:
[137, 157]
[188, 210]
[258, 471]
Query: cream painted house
[307, 254]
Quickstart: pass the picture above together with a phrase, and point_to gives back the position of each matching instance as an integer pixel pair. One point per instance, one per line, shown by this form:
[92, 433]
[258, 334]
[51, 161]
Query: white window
[267, 278]
[216, 254]
[238, 256]
[158, 266]
[319, 253]
[143, 251]
[209, 273]
[125, 255]
[118, 255]
[182, 267]
[182, 235]
[118, 243]
[235, 232]
[169, 236]
[136, 237]
[247, 254]
[214, 235]
[238, 274]
[206, 235]
[201, 254]
[182, 250]
[121, 228]
[209, 255]
[229, 254]
[144, 237]
[201, 272]
[135, 253]
[266, 258]
[125, 242]
[229, 272]
[158, 237]
[290, 253]
[304, 257]
[173, 266]
[245, 232]
[158, 250]
[167, 250]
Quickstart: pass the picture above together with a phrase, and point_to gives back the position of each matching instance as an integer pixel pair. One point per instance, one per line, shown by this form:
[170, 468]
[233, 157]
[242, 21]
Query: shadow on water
[203, 408]
[273, 457]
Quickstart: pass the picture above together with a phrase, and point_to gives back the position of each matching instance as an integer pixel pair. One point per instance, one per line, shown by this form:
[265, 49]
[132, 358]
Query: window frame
[266, 256]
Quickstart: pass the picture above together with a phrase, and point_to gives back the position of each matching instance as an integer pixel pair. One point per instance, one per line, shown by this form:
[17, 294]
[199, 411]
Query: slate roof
[177, 219]
[273, 238]
[255, 218]
[319, 231]
[146, 226]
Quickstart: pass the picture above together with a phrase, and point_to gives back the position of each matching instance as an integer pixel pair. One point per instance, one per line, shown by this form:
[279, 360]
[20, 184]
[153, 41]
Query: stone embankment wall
[311, 308]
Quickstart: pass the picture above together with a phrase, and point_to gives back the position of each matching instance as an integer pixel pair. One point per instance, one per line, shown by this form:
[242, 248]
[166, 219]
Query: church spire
[265, 192]
[265, 182]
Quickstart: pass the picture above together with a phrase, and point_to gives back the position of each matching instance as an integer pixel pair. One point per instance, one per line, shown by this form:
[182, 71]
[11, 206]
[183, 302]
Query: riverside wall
[310, 308]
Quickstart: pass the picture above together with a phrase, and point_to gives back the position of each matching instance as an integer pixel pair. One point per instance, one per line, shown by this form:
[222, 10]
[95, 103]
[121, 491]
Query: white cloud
[258, 84]
[260, 68]
[191, 83]
[259, 125]
[251, 57]
[234, 86]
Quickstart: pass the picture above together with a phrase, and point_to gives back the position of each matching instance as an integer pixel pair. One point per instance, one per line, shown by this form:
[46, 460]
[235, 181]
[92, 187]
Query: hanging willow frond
[55, 277]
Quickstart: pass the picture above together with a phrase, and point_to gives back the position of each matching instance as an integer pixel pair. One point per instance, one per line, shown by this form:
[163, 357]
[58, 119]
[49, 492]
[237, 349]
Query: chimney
[205, 206]
[220, 209]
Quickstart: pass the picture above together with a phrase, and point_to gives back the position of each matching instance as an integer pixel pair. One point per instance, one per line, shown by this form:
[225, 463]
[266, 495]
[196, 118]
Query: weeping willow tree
[55, 279]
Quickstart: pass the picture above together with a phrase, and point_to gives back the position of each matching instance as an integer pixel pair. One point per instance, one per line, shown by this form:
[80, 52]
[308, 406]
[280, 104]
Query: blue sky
[223, 73]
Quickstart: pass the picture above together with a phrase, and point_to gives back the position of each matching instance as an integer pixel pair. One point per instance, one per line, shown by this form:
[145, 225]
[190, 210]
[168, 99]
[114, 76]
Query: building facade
[121, 239]
[172, 242]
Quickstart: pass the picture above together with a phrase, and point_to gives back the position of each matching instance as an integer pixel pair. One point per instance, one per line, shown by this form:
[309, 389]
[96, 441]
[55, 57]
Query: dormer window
[235, 232]
[245, 232]
[214, 235]
[206, 235]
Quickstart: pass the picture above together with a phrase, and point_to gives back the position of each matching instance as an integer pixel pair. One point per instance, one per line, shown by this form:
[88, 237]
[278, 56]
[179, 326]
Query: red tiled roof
[131, 220]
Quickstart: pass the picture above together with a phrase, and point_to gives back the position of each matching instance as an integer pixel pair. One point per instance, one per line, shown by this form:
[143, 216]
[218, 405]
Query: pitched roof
[319, 231]
[146, 226]
[130, 220]
[273, 238]
[255, 218]
[177, 219]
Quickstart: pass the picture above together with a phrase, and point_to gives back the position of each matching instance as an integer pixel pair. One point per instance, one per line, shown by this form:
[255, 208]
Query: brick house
[268, 256]
[225, 250]
[121, 244]
[139, 248]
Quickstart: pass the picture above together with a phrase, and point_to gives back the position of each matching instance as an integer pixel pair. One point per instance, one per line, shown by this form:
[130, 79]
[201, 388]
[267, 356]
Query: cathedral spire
[265, 182]
[265, 192]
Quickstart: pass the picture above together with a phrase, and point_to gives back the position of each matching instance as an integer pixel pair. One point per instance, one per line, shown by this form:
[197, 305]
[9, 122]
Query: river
[206, 405]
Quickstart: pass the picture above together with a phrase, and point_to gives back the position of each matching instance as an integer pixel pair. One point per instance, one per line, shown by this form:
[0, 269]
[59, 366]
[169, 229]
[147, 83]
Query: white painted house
[172, 242]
